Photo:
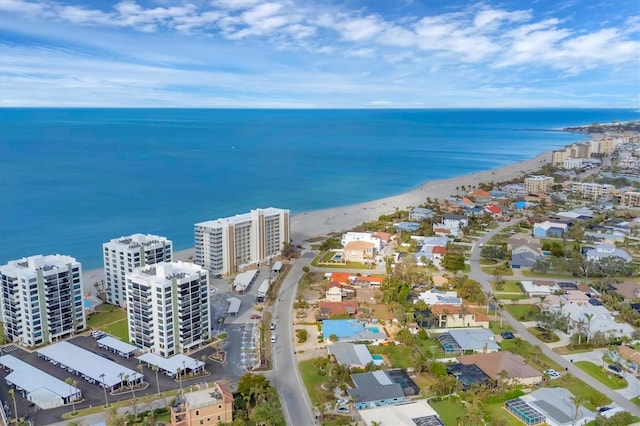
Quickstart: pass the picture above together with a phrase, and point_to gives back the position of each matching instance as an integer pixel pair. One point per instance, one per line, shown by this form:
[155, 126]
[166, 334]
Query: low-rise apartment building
[592, 191]
[210, 406]
[537, 184]
[630, 199]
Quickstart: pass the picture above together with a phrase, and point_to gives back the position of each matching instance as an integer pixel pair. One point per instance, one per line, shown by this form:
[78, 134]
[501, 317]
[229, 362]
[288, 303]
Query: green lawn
[611, 380]
[541, 334]
[449, 411]
[400, 356]
[510, 286]
[500, 415]
[522, 312]
[312, 381]
[501, 296]
[592, 398]
[106, 314]
[501, 271]
[636, 400]
[118, 329]
[533, 274]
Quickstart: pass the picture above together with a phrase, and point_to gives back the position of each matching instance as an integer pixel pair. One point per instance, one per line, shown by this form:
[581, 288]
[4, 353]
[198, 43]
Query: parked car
[344, 410]
[255, 316]
[615, 368]
[273, 338]
[342, 401]
[507, 335]
[553, 374]
[603, 409]
[272, 326]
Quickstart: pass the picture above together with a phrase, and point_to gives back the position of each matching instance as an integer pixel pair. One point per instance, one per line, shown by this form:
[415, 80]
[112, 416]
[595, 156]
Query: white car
[342, 401]
[553, 374]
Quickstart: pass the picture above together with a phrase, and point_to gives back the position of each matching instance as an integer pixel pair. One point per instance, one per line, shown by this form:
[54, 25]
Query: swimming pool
[88, 303]
[373, 329]
[377, 357]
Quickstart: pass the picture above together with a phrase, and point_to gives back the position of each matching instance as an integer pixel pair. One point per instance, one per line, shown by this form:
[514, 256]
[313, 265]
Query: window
[197, 412]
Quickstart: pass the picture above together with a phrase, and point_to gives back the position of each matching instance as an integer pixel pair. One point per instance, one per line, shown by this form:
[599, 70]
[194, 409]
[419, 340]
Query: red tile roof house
[329, 309]
[492, 363]
[493, 209]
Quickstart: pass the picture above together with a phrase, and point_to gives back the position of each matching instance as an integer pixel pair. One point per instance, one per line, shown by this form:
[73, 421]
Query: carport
[92, 367]
[234, 306]
[39, 387]
[117, 346]
[170, 366]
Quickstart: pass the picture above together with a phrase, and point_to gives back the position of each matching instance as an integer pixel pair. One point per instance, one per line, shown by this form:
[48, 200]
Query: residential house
[434, 297]
[493, 209]
[463, 340]
[536, 288]
[548, 229]
[555, 405]
[514, 190]
[350, 330]
[366, 281]
[602, 251]
[448, 316]
[359, 251]
[602, 237]
[440, 281]
[577, 213]
[420, 213]
[522, 242]
[467, 374]
[407, 226]
[593, 319]
[351, 355]
[337, 292]
[327, 309]
[627, 356]
[575, 297]
[411, 413]
[375, 389]
[384, 237]
[494, 363]
[210, 406]
[628, 290]
[455, 221]
[480, 196]
[369, 237]
[523, 260]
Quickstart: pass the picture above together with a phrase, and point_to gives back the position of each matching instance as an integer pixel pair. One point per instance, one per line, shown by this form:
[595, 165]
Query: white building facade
[122, 255]
[225, 245]
[168, 307]
[42, 299]
[367, 237]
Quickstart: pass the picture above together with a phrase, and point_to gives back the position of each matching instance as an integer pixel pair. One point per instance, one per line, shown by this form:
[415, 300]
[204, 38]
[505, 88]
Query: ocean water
[71, 179]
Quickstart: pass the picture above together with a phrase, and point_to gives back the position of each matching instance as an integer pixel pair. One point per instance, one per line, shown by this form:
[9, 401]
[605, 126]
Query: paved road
[477, 274]
[286, 374]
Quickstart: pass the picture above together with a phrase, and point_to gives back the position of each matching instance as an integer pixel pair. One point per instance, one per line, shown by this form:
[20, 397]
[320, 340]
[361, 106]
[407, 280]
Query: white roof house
[350, 354]
[368, 237]
[601, 320]
[539, 288]
[438, 297]
[406, 414]
[557, 407]
[602, 251]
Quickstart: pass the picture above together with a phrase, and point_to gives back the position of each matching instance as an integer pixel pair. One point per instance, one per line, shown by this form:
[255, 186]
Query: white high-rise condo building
[226, 244]
[42, 299]
[168, 307]
[122, 255]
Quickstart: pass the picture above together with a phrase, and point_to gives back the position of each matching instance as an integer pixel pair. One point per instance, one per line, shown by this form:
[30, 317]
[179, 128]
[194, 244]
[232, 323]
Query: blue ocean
[71, 179]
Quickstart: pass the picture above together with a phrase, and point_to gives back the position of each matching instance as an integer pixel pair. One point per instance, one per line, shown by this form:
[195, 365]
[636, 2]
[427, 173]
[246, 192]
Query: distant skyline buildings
[168, 307]
[122, 255]
[42, 299]
[300, 54]
[226, 244]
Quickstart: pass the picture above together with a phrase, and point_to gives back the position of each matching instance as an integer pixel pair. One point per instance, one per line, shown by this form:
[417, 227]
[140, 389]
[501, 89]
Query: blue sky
[320, 54]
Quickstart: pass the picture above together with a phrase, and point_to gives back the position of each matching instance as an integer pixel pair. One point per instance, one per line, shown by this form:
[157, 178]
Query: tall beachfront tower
[226, 244]
[122, 255]
[168, 307]
[42, 299]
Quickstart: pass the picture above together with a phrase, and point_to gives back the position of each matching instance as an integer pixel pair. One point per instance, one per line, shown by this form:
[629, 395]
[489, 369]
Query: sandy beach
[305, 226]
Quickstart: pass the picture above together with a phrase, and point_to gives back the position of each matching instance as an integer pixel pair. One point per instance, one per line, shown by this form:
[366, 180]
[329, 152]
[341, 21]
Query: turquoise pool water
[88, 303]
[377, 357]
[374, 329]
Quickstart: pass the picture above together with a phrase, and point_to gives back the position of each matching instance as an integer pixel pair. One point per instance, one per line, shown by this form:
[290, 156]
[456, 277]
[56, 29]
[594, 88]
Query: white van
[273, 338]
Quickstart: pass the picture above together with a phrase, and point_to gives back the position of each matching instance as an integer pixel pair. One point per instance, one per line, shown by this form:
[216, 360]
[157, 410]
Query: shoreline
[319, 223]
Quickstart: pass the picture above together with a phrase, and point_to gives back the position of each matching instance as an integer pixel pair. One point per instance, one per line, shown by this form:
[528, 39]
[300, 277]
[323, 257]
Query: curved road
[477, 274]
[286, 373]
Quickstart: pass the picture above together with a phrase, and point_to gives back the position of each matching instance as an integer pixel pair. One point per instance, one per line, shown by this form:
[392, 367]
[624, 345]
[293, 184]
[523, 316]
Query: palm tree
[154, 368]
[12, 392]
[589, 318]
[104, 387]
[577, 400]
[72, 384]
[179, 371]
[491, 300]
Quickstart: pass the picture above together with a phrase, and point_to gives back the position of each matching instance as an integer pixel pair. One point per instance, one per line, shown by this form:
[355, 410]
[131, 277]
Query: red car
[255, 316]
